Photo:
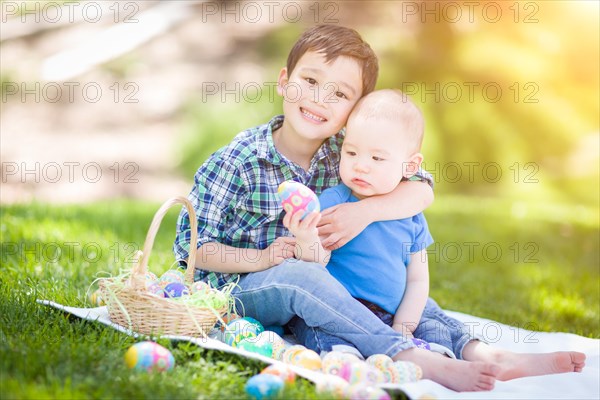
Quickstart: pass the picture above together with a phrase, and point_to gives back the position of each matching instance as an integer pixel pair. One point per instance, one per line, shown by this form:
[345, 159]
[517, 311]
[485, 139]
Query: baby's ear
[282, 81]
[412, 166]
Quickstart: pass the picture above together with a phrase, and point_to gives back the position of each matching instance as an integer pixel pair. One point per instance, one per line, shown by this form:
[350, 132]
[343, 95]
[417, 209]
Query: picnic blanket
[584, 385]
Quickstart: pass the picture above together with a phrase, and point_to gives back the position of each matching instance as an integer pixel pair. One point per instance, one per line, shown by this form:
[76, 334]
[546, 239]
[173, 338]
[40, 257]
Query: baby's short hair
[334, 41]
[392, 104]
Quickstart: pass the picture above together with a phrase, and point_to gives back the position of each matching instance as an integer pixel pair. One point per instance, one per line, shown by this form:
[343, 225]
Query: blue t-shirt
[372, 266]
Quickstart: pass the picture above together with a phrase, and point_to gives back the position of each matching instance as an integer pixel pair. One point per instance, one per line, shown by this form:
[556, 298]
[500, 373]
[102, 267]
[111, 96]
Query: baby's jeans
[307, 291]
[446, 335]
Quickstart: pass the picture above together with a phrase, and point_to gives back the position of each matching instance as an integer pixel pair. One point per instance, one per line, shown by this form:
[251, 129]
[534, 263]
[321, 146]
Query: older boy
[241, 235]
[386, 267]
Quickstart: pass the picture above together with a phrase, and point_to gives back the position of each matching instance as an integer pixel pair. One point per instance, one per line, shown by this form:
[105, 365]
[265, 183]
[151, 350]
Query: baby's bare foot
[519, 365]
[461, 376]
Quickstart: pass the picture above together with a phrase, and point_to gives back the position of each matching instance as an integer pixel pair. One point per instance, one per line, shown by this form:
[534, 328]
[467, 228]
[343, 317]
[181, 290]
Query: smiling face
[318, 96]
[381, 145]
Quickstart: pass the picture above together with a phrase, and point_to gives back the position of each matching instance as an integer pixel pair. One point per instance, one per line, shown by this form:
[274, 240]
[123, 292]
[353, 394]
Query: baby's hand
[304, 230]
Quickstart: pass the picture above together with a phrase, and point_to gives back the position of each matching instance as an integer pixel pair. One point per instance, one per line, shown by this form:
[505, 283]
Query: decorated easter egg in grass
[333, 361]
[297, 197]
[281, 370]
[264, 386]
[149, 356]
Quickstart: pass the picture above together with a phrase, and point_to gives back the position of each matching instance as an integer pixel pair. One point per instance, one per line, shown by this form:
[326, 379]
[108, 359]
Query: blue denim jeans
[301, 291]
[435, 327]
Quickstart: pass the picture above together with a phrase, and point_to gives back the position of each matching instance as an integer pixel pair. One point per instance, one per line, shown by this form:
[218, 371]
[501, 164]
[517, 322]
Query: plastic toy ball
[297, 197]
[264, 386]
[149, 356]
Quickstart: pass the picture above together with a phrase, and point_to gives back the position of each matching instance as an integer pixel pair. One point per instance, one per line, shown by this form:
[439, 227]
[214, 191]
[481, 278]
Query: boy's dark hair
[334, 41]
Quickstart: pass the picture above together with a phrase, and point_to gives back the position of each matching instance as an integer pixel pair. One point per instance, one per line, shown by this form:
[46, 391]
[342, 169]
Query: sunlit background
[147, 90]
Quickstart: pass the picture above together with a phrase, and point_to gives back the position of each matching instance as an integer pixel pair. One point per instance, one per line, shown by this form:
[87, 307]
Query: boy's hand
[281, 249]
[342, 223]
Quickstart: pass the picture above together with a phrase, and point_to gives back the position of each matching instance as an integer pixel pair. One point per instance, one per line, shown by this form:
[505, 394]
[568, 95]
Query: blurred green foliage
[511, 106]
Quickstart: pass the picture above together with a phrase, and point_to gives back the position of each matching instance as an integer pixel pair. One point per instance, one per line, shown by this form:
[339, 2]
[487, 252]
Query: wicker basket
[132, 306]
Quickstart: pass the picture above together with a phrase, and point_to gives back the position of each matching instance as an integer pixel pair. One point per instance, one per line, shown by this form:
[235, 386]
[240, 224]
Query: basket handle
[139, 270]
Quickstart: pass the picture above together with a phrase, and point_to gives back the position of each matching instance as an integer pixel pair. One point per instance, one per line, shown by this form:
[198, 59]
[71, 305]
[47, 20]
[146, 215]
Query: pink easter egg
[297, 197]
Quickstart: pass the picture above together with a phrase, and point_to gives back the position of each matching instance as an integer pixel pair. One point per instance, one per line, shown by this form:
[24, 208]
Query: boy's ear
[282, 81]
[411, 167]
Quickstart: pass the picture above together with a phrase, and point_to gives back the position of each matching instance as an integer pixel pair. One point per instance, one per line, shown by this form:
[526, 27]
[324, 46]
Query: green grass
[55, 252]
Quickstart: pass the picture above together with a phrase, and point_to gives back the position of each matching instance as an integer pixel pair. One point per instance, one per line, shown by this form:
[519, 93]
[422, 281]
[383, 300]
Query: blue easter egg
[278, 329]
[264, 386]
[259, 327]
[176, 289]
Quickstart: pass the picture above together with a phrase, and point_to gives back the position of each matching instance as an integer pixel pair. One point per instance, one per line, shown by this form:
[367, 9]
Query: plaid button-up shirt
[235, 193]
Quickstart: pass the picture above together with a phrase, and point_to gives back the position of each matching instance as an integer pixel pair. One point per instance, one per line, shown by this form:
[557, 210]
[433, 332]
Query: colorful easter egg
[200, 287]
[297, 197]
[361, 372]
[259, 327]
[239, 329]
[290, 352]
[307, 359]
[361, 391]
[278, 329]
[333, 361]
[264, 386]
[149, 356]
[151, 276]
[176, 289]
[171, 276]
[281, 370]
[383, 363]
[154, 288]
[406, 371]
[96, 298]
[255, 345]
[278, 345]
[333, 385]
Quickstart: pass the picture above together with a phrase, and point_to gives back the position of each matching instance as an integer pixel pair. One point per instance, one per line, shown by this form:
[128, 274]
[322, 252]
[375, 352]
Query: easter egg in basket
[297, 197]
[149, 356]
[176, 289]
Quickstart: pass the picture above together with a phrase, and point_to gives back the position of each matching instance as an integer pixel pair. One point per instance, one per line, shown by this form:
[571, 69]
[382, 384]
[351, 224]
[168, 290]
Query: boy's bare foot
[461, 376]
[519, 365]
